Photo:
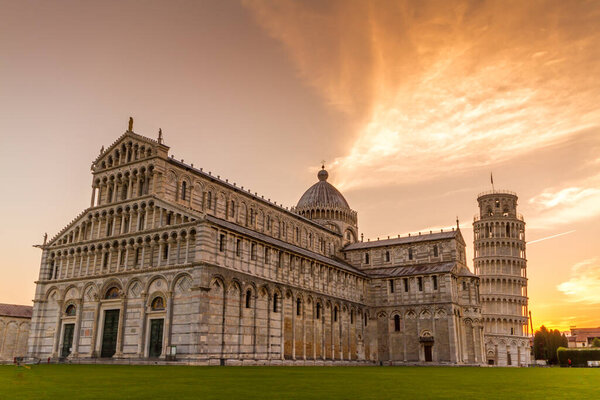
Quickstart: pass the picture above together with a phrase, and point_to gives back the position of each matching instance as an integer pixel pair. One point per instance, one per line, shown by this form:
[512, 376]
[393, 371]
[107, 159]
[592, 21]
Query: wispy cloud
[566, 205]
[440, 87]
[584, 284]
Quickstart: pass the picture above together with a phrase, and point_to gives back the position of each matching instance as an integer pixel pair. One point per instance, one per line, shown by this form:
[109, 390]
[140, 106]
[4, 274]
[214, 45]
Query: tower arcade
[500, 262]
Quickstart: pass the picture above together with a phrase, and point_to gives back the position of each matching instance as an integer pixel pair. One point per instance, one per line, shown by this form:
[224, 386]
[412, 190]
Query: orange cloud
[438, 87]
[584, 284]
[568, 205]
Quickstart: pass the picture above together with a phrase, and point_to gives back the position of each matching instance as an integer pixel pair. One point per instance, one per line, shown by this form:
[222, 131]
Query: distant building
[14, 330]
[583, 337]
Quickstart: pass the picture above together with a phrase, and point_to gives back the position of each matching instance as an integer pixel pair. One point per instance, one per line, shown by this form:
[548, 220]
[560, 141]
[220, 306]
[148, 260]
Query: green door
[156, 336]
[67, 339]
[109, 334]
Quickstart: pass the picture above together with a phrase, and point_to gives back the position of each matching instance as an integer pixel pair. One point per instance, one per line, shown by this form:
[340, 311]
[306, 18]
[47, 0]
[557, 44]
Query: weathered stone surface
[192, 262]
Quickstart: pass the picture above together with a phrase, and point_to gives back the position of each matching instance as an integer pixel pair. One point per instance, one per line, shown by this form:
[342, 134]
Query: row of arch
[271, 220]
[121, 186]
[262, 260]
[500, 267]
[488, 230]
[169, 248]
[126, 153]
[506, 249]
[122, 219]
[329, 212]
[402, 254]
[13, 338]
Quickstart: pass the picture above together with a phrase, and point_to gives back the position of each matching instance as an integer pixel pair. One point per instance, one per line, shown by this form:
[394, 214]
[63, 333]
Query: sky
[411, 104]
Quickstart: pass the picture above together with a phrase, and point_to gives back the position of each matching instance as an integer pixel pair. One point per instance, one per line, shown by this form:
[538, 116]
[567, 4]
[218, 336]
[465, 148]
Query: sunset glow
[412, 104]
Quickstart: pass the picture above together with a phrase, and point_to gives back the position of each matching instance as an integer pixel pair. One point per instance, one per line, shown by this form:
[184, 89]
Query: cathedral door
[156, 337]
[109, 334]
[428, 352]
[67, 339]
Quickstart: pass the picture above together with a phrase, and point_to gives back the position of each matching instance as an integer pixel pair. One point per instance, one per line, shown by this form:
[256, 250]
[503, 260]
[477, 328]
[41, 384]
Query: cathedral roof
[402, 240]
[15, 310]
[322, 194]
[420, 269]
[280, 243]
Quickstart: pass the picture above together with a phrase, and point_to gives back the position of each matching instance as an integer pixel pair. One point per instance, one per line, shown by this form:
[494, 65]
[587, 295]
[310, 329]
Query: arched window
[221, 242]
[275, 300]
[366, 319]
[335, 314]
[51, 274]
[232, 209]
[298, 306]
[507, 230]
[166, 251]
[318, 313]
[209, 200]
[70, 311]
[366, 258]
[387, 256]
[396, 323]
[352, 317]
[410, 253]
[248, 298]
[158, 304]
[435, 250]
[183, 190]
[112, 293]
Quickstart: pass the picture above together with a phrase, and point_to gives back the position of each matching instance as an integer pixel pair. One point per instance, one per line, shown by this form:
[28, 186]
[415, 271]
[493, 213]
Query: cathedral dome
[322, 194]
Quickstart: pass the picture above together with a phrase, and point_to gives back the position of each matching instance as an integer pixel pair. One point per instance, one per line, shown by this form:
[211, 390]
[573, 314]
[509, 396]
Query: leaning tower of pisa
[500, 262]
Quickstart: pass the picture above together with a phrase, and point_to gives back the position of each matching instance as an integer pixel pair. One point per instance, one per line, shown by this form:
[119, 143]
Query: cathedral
[171, 263]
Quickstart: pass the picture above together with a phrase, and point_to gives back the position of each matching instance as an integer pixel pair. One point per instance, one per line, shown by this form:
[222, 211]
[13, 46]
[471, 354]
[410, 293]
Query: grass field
[169, 382]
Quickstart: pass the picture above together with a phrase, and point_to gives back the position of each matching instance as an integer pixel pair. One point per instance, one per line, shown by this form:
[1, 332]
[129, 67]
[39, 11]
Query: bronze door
[156, 337]
[109, 334]
[67, 339]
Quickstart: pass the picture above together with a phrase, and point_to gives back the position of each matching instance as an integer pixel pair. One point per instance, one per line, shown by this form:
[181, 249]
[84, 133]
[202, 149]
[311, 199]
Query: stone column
[143, 259]
[57, 330]
[169, 322]
[294, 308]
[127, 247]
[187, 249]
[79, 304]
[142, 334]
[269, 309]
[121, 329]
[93, 196]
[87, 264]
[254, 324]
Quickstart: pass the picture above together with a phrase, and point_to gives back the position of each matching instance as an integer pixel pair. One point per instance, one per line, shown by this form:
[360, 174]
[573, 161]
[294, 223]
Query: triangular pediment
[125, 147]
[71, 227]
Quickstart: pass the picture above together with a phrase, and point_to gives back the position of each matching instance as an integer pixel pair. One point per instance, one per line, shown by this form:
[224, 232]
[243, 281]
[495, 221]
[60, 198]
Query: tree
[596, 342]
[546, 342]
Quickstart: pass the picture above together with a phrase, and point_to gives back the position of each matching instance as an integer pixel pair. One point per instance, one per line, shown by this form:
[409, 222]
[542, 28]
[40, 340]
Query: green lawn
[168, 382]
